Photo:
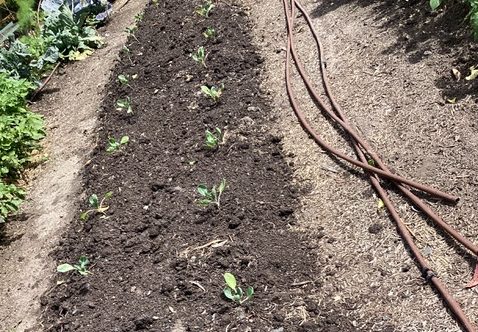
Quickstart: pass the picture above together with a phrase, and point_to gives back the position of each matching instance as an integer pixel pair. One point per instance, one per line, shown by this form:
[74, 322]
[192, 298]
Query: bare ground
[389, 64]
[69, 104]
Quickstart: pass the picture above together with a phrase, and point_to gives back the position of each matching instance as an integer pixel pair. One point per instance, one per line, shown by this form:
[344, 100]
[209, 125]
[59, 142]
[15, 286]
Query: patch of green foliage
[114, 145]
[213, 139]
[213, 92]
[211, 196]
[205, 9]
[96, 205]
[235, 293]
[472, 15]
[81, 267]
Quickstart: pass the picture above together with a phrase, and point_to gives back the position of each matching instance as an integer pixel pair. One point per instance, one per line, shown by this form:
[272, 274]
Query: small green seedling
[235, 293]
[124, 105]
[123, 79]
[81, 267]
[205, 9]
[114, 145]
[131, 31]
[213, 139]
[139, 17]
[212, 196]
[213, 92]
[209, 33]
[200, 56]
[96, 205]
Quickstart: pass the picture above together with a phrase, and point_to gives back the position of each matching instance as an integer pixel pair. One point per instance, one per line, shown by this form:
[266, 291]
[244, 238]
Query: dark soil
[147, 270]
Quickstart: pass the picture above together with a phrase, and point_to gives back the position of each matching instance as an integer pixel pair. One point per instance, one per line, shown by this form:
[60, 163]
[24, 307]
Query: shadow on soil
[421, 33]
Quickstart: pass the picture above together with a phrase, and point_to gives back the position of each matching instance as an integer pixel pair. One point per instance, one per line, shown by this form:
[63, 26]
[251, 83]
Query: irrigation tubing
[342, 120]
[428, 274]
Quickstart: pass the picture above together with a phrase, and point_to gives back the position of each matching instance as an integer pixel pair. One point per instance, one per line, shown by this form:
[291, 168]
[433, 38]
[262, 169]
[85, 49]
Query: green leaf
[62, 268]
[222, 185]
[108, 195]
[228, 293]
[124, 140]
[249, 292]
[434, 4]
[206, 90]
[93, 200]
[84, 216]
[202, 190]
[230, 280]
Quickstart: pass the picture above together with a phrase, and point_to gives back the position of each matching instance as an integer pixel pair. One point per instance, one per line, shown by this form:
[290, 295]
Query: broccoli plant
[96, 205]
[213, 92]
[114, 145]
[234, 292]
[81, 267]
[124, 105]
[213, 139]
[200, 56]
[211, 196]
[209, 33]
[205, 9]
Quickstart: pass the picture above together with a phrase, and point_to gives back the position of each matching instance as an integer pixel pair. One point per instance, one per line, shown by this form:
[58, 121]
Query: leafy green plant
[472, 14]
[123, 79]
[11, 197]
[213, 92]
[213, 139]
[81, 267]
[96, 205]
[205, 9]
[209, 33]
[200, 56]
[131, 31]
[235, 293]
[124, 104]
[211, 196]
[114, 145]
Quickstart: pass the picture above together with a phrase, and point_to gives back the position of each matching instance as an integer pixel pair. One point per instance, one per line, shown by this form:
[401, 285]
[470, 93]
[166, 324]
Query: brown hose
[342, 120]
[427, 273]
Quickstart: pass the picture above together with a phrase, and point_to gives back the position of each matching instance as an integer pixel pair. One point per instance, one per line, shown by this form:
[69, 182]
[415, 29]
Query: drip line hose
[359, 144]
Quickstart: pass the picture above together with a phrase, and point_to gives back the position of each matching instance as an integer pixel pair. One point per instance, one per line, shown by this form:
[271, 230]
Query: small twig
[302, 283]
[46, 81]
[198, 284]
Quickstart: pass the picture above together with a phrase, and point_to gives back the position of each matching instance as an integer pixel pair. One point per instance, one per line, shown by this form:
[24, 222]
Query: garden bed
[157, 257]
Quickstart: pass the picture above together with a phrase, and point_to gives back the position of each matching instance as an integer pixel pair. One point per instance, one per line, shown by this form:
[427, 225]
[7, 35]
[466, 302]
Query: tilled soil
[157, 258]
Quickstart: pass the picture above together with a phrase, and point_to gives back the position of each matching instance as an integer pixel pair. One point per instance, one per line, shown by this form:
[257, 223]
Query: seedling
[213, 92]
[139, 17]
[205, 9]
[209, 33]
[200, 56]
[234, 292]
[123, 79]
[213, 139]
[124, 104]
[81, 267]
[114, 145]
[212, 196]
[131, 31]
[127, 51]
[96, 205]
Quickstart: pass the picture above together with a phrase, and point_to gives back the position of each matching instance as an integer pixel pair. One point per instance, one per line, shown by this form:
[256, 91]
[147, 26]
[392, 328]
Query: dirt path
[69, 103]
[389, 64]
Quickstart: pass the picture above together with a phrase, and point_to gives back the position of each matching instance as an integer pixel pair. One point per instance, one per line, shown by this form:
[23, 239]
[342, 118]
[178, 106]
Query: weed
[114, 145]
[96, 205]
[213, 92]
[124, 104]
[213, 139]
[234, 292]
[205, 9]
[123, 79]
[200, 56]
[212, 196]
[81, 267]
[209, 33]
